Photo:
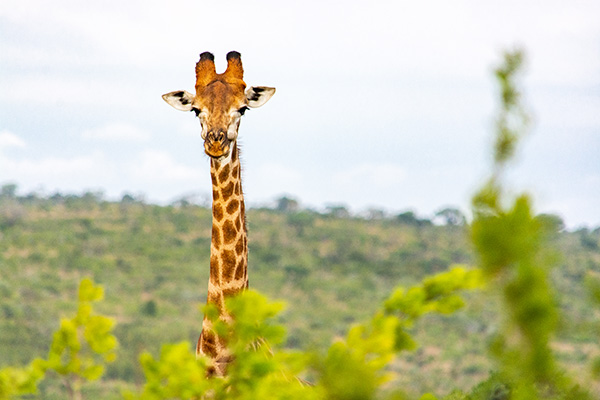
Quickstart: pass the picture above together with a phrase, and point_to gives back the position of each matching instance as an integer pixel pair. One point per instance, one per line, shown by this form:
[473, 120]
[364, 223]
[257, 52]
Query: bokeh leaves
[80, 348]
[513, 254]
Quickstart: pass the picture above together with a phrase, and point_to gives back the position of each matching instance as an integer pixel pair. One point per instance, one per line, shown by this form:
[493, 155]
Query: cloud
[52, 90]
[422, 79]
[9, 139]
[575, 111]
[154, 172]
[73, 174]
[378, 175]
[156, 165]
[270, 179]
[116, 132]
[50, 168]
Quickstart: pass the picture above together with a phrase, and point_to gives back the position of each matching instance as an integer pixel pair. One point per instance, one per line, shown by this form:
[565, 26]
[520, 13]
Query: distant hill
[331, 268]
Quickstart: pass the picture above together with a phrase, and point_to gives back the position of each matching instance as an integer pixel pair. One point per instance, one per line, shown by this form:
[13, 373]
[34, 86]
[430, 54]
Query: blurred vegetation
[371, 297]
[79, 350]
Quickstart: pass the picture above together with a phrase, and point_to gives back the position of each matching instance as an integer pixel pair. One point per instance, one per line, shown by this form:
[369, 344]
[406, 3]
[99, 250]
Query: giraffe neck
[228, 252]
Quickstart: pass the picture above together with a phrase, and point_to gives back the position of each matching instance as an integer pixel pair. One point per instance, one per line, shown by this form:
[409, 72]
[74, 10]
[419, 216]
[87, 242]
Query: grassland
[331, 269]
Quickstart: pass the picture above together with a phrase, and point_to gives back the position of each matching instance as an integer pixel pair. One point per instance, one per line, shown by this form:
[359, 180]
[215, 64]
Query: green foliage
[510, 243]
[149, 308]
[259, 371]
[593, 284]
[11, 212]
[436, 294]
[84, 343]
[79, 349]
[451, 216]
[176, 374]
[356, 368]
[353, 368]
[261, 368]
[15, 381]
[512, 119]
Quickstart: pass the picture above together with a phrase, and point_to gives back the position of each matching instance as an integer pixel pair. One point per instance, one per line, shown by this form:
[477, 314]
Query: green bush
[79, 350]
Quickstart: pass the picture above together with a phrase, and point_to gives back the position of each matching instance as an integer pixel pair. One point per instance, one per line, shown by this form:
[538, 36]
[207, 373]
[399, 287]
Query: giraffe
[219, 103]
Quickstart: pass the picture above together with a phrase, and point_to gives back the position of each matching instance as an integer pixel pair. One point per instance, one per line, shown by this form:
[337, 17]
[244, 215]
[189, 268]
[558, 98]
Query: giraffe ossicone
[219, 103]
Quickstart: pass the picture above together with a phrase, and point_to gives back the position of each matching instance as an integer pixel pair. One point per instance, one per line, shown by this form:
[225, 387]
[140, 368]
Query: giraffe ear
[180, 99]
[259, 95]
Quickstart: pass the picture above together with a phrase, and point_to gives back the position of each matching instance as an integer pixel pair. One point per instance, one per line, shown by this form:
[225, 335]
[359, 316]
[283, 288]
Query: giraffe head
[219, 102]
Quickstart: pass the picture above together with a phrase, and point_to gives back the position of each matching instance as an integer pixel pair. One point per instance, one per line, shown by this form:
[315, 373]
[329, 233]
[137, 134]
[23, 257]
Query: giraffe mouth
[217, 146]
[217, 152]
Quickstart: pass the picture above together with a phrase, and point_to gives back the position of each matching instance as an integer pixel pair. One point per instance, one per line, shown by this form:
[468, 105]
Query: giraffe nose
[216, 135]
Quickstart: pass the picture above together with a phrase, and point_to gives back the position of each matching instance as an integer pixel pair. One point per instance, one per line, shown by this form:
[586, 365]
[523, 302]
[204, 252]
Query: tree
[8, 191]
[451, 216]
[287, 204]
[128, 199]
[337, 210]
[374, 214]
[410, 218]
[554, 222]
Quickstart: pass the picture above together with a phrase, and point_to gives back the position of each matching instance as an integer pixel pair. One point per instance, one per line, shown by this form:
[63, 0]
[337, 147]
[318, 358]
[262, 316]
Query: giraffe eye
[243, 110]
[197, 111]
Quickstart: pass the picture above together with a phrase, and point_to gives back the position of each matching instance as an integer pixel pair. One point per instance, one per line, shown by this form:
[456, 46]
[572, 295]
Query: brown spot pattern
[218, 212]
[228, 265]
[216, 236]
[230, 292]
[214, 298]
[224, 174]
[240, 270]
[229, 232]
[227, 191]
[208, 343]
[232, 206]
[214, 270]
[239, 246]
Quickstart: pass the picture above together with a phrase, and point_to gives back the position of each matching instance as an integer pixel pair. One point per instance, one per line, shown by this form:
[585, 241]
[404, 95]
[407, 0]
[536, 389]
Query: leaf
[90, 292]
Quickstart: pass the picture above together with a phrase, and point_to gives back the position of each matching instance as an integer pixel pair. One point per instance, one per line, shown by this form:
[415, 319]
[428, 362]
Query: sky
[379, 104]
